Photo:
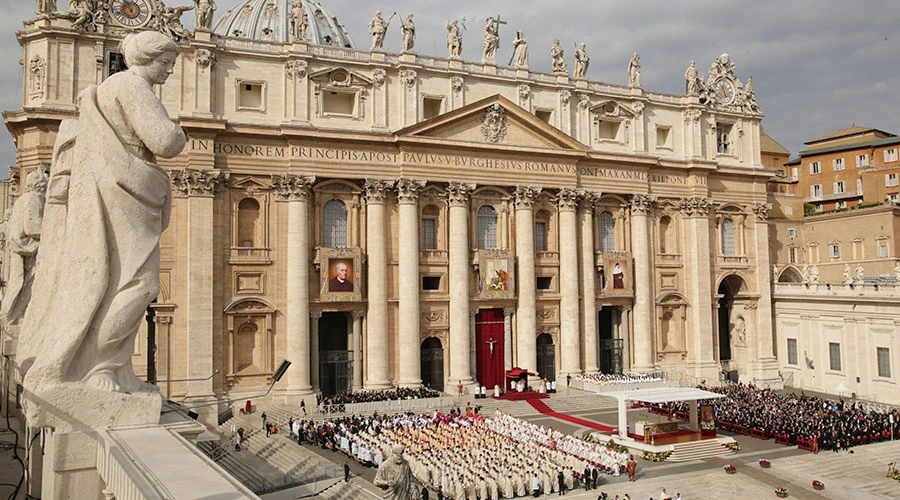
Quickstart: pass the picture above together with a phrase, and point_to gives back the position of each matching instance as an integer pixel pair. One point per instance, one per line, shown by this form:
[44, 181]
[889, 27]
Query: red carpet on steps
[546, 410]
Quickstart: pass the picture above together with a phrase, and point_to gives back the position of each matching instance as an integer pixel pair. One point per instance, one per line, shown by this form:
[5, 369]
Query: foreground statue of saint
[395, 477]
[107, 204]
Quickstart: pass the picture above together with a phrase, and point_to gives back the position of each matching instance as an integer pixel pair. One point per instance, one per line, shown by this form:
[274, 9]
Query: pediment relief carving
[337, 77]
[614, 109]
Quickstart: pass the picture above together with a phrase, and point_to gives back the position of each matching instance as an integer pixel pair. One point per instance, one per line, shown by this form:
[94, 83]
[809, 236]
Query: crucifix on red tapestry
[489, 350]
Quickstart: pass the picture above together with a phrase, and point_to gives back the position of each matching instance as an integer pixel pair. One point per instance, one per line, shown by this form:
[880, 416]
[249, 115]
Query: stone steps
[697, 450]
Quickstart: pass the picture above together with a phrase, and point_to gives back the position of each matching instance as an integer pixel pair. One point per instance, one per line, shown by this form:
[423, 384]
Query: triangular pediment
[494, 121]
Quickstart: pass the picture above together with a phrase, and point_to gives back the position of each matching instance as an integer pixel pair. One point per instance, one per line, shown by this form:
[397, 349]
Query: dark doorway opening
[335, 359]
[433, 363]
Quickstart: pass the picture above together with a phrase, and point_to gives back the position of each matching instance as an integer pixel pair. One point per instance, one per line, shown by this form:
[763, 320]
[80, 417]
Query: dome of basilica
[270, 21]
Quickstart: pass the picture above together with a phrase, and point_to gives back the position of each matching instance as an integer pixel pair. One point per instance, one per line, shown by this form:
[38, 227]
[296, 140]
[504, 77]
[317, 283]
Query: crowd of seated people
[797, 419]
[617, 378]
[336, 401]
[467, 456]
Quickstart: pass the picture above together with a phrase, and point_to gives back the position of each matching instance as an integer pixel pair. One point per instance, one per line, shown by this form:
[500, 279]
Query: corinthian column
[201, 188]
[376, 340]
[526, 320]
[570, 348]
[698, 264]
[641, 208]
[588, 282]
[295, 191]
[458, 200]
[765, 366]
[409, 368]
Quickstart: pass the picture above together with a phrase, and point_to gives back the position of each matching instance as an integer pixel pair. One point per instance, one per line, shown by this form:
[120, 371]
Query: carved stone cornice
[408, 190]
[458, 193]
[292, 187]
[376, 190]
[197, 182]
[696, 206]
[642, 203]
[761, 210]
[525, 196]
[567, 199]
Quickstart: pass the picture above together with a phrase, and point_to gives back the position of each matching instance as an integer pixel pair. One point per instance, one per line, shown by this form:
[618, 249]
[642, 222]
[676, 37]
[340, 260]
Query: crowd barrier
[388, 407]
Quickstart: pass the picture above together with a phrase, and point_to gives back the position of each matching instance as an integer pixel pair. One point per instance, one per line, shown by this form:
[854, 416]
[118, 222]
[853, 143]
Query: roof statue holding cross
[491, 40]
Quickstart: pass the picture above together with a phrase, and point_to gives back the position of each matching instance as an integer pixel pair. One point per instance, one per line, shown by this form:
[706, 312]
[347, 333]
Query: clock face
[131, 13]
[724, 91]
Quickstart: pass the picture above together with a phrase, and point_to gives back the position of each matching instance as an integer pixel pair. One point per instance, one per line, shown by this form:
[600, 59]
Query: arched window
[541, 220]
[728, 237]
[334, 224]
[248, 223]
[429, 227]
[607, 232]
[487, 228]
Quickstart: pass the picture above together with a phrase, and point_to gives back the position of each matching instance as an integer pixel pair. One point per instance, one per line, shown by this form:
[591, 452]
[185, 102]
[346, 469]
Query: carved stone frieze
[37, 75]
[567, 198]
[692, 115]
[377, 189]
[695, 207]
[458, 193]
[295, 69]
[409, 78]
[493, 124]
[207, 59]
[292, 187]
[525, 196]
[564, 97]
[761, 210]
[457, 83]
[197, 182]
[433, 316]
[378, 77]
[642, 203]
[524, 92]
[584, 102]
[638, 108]
[408, 190]
[546, 314]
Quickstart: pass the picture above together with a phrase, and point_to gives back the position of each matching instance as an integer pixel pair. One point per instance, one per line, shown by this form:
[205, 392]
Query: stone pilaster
[695, 213]
[765, 366]
[624, 333]
[313, 358]
[569, 320]
[507, 339]
[526, 315]
[458, 194]
[356, 347]
[201, 188]
[377, 338]
[409, 367]
[641, 209]
[295, 191]
[589, 347]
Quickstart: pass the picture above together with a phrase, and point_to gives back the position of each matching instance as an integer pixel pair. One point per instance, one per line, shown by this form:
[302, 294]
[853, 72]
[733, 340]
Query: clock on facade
[724, 91]
[131, 13]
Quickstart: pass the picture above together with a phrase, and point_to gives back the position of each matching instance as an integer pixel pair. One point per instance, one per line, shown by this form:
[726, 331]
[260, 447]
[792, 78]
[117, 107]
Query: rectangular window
[862, 160]
[837, 164]
[840, 187]
[338, 103]
[813, 254]
[882, 248]
[723, 139]
[608, 130]
[795, 175]
[859, 191]
[662, 137]
[792, 232]
[431, 107]
[834, 251]
[788, 210]
[544, 282]
[429, 241]
[890, 155]
[540, 236]
[893, 198]
[884, 362]
[834, 356]
[792, 351]
[890, 180]
[431, 282]
[115, 63]
[815, 168]
[251, 95]
[792, 255]
[544, 115]
[840, 204]
[815, 191]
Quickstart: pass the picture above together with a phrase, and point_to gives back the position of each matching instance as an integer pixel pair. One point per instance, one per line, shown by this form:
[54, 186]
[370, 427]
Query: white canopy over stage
[659, 395]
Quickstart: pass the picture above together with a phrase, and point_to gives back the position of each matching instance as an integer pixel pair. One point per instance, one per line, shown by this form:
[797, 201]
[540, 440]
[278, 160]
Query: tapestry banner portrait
[340, 274]
[496, 277]
[617, 274]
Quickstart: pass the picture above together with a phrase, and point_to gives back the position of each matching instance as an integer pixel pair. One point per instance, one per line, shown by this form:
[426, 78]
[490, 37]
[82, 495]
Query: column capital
[761, 210]
[567, 199]
[162, 320]
[525, 196]
[376, 190]
[198, 182]
[315, 315]
[458, 193]
[508, 311]
[587, 199]
[696, 206]
[472, 314]
[292, 187]
[408, 190]
[642, 203]
[357, 314]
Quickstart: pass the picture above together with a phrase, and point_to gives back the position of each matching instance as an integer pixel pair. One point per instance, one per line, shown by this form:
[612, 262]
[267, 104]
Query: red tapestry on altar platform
[489, 348]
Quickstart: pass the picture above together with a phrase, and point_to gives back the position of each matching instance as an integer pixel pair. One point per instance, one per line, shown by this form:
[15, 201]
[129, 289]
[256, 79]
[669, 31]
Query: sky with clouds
[817, 65]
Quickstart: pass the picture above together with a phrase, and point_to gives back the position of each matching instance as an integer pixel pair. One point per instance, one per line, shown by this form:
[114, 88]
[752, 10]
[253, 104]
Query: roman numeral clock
[131, 13]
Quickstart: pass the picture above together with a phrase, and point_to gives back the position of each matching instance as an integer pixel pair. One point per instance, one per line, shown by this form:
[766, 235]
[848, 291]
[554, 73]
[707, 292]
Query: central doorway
[489, 347]
[610, 355]
[546, 357]
[335, 359]
[432, 363]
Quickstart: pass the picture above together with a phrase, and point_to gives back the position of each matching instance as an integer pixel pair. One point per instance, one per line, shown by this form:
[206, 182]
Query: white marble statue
[454, 38]
[804, 274]
[558, 60]
[408, 30]
[107, 205]
[634, 71]
[299, 22]
[169, 22]
[860, 273]
[582, 61]
[897, 271]
[814, 274]
[491, 42]
[23, 236]
[520, 53]
[82, 11]
[205, 11]
[848, 277]
[46, 6]
[395, 477]
[377, 28]
[692, 80]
